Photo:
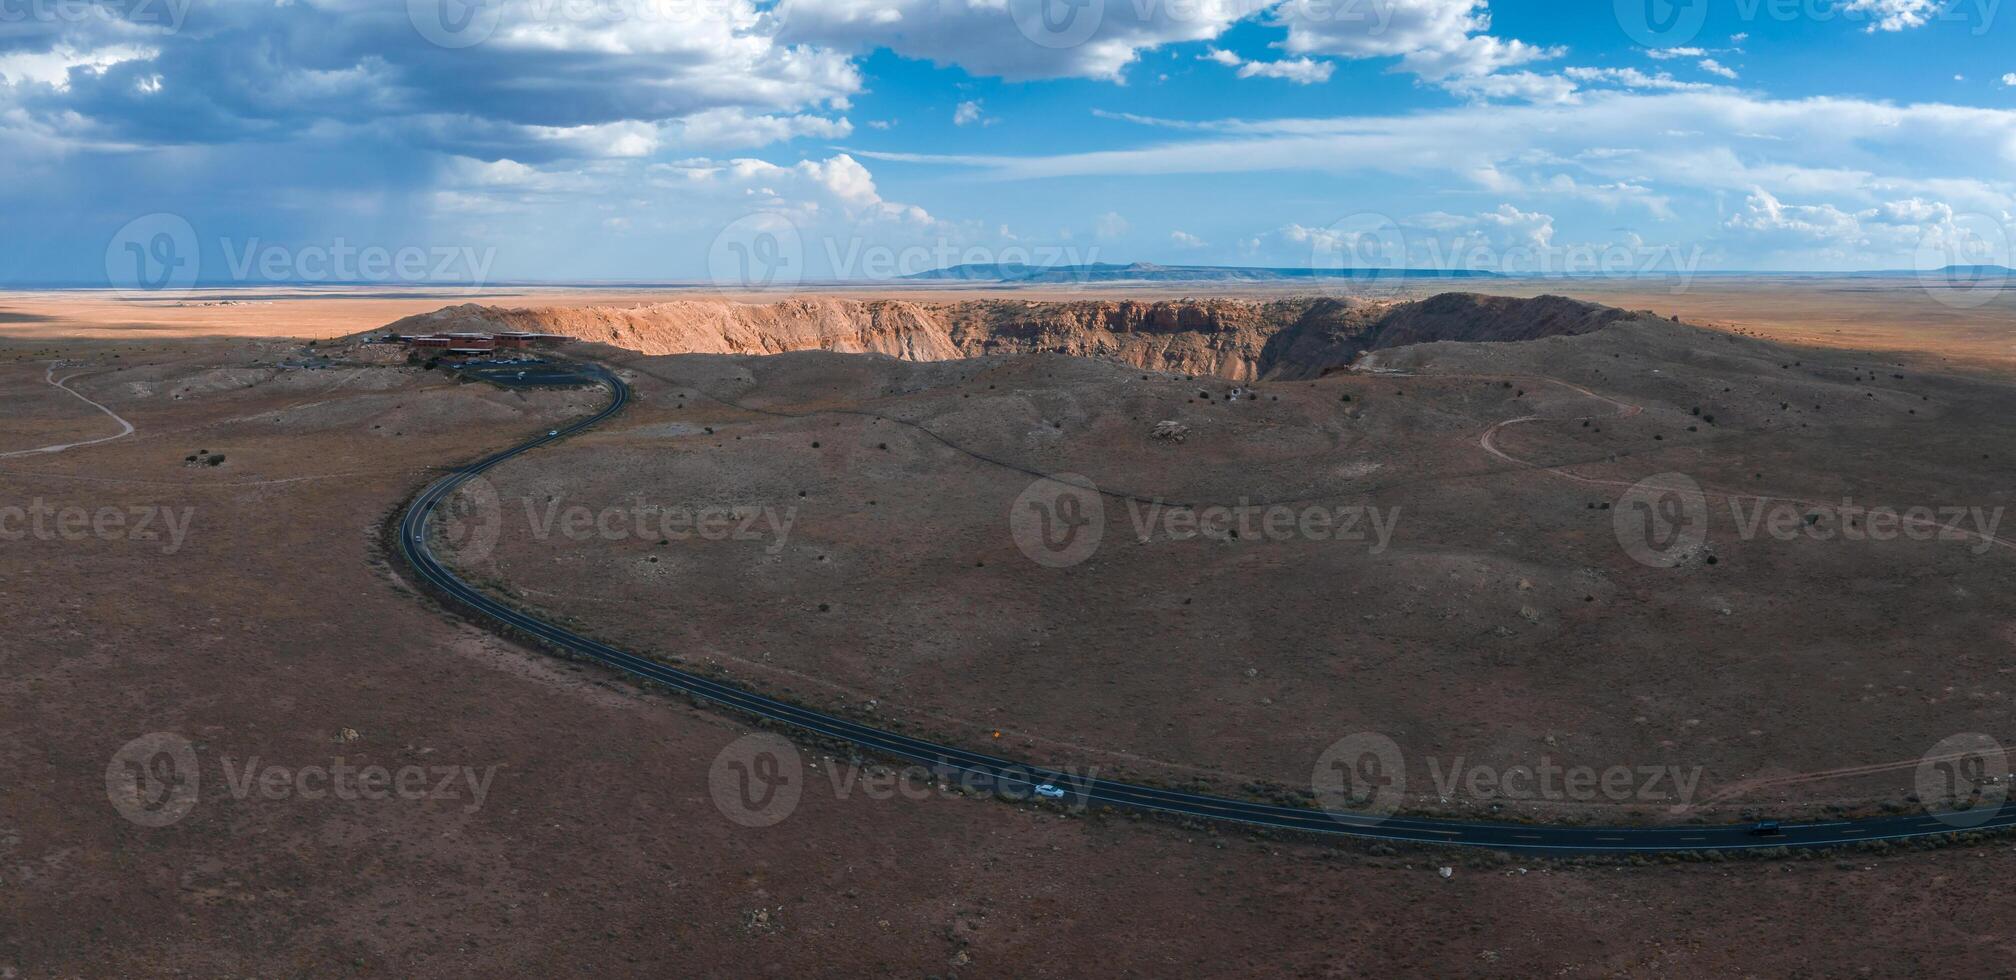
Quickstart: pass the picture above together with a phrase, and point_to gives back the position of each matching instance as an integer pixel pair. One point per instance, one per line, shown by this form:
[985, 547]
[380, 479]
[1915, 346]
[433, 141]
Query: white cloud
[1521, 85]
[1183, 239]
[1764, 214]
[1707, 140]
[2009, 79]
[1514, 227]
[985, 38]
[1714, 67]
[1666, 54]
[53, 67]
[1302, 71]
[1110, 226]
[1894, 15]
[1443, 41]
[1633, 78]
[969, 113]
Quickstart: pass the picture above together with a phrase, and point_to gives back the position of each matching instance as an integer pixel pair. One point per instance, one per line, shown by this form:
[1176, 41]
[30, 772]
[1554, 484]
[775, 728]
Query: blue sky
[157, 141]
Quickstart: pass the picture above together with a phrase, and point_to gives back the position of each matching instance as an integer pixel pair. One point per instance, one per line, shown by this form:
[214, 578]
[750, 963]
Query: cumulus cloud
[1713, 67]
[1110, 226]
[1183, 239]
[969, 113]
[1764, 214]
[269, 72]
[1008, 38]
[1443, 41]
[1302, 71]
[1894, 15]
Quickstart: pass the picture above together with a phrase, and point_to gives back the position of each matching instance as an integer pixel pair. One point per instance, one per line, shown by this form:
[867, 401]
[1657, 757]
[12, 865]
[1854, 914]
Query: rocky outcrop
[1229, 338]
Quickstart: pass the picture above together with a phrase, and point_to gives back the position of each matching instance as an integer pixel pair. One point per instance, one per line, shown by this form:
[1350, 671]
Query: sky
[154, 144]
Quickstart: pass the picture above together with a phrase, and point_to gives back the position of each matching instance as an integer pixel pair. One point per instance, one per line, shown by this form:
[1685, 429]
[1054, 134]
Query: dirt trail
[1488, 442]
[125, 426]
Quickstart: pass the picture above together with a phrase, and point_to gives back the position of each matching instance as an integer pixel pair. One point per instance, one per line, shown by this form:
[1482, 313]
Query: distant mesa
[1976, 272]
[1013, 272]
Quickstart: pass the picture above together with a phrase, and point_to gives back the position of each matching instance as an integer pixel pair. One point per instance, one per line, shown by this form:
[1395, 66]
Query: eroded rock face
[1229, 338]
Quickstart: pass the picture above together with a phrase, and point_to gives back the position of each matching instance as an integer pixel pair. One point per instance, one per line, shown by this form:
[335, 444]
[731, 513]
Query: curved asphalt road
[1016, 779]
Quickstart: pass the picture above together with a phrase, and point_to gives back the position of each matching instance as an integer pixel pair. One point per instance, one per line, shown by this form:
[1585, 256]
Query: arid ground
[220, 575]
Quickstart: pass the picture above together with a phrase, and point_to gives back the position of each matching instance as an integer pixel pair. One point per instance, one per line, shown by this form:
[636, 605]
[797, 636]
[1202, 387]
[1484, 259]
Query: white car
[553, 432]
[1049, 792]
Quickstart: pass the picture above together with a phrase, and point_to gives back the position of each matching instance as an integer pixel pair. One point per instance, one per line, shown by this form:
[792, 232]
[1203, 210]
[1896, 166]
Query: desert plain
[222, 573]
